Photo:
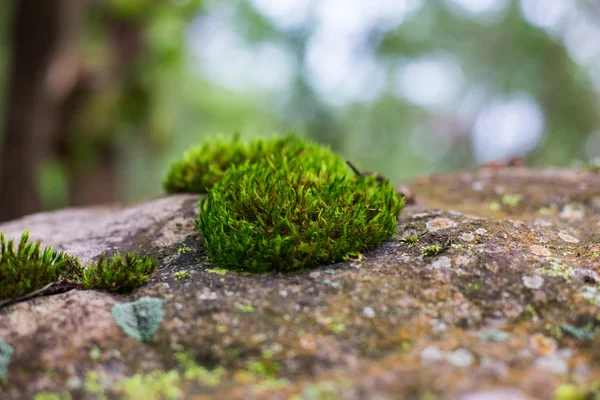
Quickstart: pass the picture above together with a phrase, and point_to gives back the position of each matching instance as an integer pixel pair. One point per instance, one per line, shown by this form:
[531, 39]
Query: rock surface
[506, 308]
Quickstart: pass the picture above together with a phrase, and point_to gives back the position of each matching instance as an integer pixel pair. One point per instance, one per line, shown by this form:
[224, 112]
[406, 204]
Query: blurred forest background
[98, 96]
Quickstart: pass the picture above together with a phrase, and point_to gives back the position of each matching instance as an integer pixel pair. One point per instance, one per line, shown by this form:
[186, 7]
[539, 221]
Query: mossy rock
[505, 307]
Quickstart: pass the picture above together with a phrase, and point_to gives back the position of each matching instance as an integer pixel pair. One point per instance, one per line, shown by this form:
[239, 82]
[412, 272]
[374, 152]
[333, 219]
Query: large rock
[506, 310]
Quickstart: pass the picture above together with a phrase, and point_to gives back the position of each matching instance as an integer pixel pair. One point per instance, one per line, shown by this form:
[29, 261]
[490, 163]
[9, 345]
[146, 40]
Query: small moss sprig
[204, 166]
[118, 274]
[28, 270]
[29, 267]
[294, 211]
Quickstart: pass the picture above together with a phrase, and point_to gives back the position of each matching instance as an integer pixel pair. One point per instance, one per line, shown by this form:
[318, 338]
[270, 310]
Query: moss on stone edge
[204, 166]
[293, 211]
[28, 268]
[118, 274]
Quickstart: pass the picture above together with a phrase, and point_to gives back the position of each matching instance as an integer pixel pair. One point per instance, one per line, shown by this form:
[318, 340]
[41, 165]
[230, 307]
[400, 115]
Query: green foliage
[139, 319]
[29, 268]
[294, 209]
[204, 166]
[118, 274]
[6, 352]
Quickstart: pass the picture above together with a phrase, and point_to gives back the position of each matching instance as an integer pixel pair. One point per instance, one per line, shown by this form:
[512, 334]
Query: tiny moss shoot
[29, 268]
[118, 274]
[294, 210]
[410, 240]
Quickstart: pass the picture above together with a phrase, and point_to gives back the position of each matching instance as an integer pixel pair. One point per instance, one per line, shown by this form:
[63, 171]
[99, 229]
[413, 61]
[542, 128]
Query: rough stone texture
[491, 316]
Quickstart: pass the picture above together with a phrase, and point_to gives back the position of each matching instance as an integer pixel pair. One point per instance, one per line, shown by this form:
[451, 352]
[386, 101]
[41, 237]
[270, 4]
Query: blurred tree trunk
[43, 72]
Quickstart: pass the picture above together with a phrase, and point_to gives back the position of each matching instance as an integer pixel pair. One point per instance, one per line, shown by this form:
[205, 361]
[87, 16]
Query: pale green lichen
[218, 271]
[193, 371]
[139, 319]
[245, 308]
[155, 385]
[430, 251]
[511, 200]
[181, 275]
[51, 396]
[184, 248]
[6, 352]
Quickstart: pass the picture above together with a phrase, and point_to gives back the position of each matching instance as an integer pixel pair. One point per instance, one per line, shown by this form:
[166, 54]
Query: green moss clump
[118, 274]
[204, 166]
[293, 211]
[29, 268]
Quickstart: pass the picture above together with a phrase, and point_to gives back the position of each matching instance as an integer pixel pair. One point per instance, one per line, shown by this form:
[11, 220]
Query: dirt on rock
[489, 290]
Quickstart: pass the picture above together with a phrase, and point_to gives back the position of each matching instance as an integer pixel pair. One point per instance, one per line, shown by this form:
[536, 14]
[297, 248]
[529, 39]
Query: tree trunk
[43, 71]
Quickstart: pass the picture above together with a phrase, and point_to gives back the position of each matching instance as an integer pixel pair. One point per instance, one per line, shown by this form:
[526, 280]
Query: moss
[265, 368]
[294, 211]
[204, 166]
[29, 268]
[118, 274]
[410, 240]
[139, 319]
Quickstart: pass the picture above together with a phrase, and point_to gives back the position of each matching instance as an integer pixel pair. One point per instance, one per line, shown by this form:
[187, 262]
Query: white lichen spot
[462, 261]
[308, 342]
[568, 238]
[481, 231]
[368, 312]
[461, 358]
[467, 237]
[533, 282]
[571, 211]
[441, 263]
[440, 223]
[540, 251]
[431, 354]
[553, 364]
[478, 186]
